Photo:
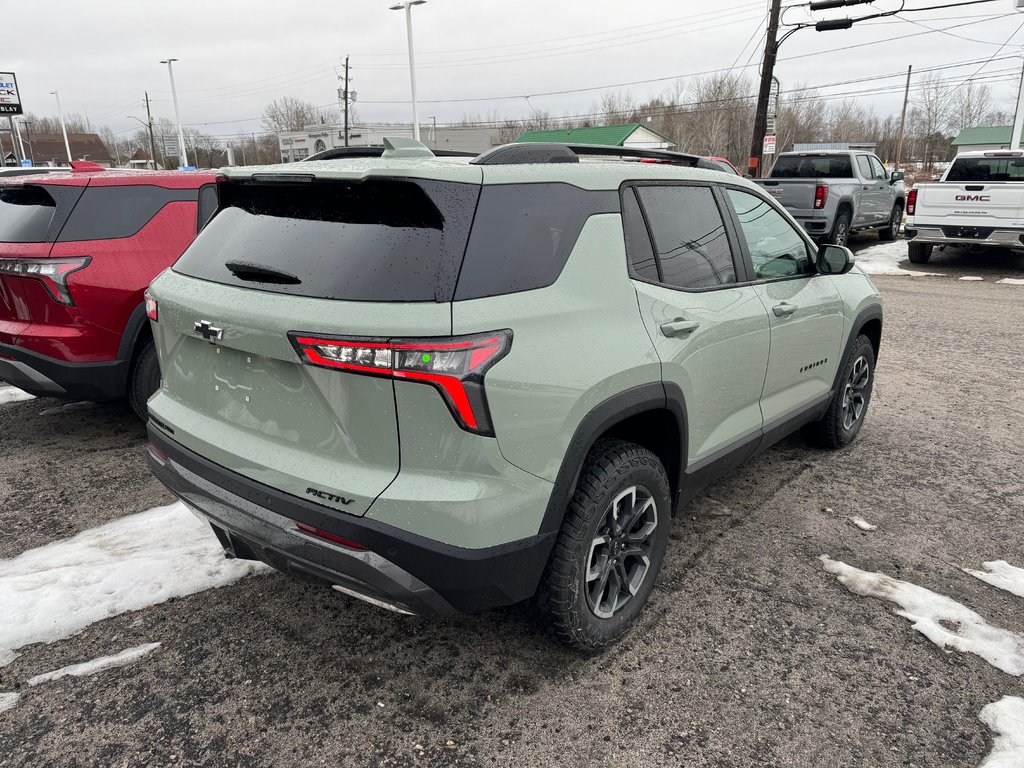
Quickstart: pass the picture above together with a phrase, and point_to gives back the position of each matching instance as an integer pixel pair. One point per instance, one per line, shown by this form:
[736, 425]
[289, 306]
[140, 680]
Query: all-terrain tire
[891, 231]
[844, 417]
[840, 234]
[919, 253]
[144, 379]
[566, 596]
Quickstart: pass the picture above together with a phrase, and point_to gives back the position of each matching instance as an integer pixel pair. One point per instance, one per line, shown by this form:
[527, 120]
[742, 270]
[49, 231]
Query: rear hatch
[987, 191]
[287, 257]
[31, 216]
[795, 194]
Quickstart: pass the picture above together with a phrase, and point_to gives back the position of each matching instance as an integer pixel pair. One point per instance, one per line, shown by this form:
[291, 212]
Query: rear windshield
[812, 167]
[987, 169]
[25, 214]
[374, 240]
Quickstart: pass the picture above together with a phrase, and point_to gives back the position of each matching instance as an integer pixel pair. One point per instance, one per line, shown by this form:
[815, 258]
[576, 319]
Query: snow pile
[121, 659]
[9, 394]
[1006, 719]
[971, 277]
[945, 622]
[57, 590]
[1000, 573]
[1011, 281]
[863, 524]
[885, 258]
[8, 700]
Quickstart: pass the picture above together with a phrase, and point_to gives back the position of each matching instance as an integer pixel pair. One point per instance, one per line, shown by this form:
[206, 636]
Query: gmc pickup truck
[835, 193]
[978, 202]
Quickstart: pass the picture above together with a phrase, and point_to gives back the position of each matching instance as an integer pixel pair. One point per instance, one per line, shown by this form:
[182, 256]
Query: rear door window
[690, 240]
[25, 214]
[109, 213]
[373, 240]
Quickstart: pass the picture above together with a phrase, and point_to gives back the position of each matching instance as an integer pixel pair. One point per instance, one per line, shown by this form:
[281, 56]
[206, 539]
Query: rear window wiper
[261, 273]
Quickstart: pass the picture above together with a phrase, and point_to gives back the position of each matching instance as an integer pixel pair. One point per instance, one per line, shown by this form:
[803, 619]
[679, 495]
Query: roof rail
[553, 152]
[374, 150]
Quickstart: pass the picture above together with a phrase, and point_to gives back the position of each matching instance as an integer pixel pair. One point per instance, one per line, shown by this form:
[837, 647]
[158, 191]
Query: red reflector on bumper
[332, 537]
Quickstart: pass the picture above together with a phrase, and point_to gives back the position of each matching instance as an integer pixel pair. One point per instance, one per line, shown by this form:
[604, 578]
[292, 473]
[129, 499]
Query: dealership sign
[10, 102]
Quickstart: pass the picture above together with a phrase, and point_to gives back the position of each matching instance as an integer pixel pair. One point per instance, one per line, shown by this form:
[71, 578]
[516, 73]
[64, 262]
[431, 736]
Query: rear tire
[840, 234]
[919, 253]
[144, 380]
[891, 231]
[610, 549]
[849, 405]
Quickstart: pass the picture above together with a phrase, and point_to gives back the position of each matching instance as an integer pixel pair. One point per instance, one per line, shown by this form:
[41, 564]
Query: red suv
[77, 251]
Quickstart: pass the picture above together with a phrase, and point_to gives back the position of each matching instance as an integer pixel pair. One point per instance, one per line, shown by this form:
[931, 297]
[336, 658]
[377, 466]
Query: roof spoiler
[399, 147]
[85, 166]
[553, 152]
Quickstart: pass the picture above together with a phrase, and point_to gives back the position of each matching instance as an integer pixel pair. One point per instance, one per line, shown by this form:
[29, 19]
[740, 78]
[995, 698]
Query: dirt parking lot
[751, 653]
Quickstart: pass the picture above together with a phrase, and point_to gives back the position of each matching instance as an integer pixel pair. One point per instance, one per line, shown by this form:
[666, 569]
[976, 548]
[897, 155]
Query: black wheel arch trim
[132, 330]
[866, 315]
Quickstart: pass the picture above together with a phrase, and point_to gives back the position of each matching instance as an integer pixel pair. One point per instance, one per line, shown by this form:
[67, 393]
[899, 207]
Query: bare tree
[930, 116]
[287, 113]
[971, 105]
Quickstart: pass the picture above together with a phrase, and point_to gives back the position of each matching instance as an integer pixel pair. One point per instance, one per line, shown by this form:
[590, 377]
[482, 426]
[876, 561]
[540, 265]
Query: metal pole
[182, 154]
[28, 137]
[14, 144]
[903, 120]
[15, 126]
[412, 73]
[1018, 119]
[346, 101]
[152, 140]
[63, 127]
[771, 48]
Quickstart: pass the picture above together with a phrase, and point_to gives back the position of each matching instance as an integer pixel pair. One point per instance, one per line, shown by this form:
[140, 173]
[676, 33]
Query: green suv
[448, 384]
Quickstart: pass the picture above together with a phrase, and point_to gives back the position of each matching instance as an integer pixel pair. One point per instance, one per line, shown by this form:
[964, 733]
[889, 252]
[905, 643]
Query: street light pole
[407, 7]
[182, 155]
[1018, 118]
[28, 138]
[63, 127]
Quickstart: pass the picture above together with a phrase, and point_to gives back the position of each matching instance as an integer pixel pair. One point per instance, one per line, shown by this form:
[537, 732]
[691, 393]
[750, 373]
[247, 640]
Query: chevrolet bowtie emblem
[208, 330]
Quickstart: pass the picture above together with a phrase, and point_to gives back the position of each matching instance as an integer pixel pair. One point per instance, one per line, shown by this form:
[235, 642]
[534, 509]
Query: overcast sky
[236, 56]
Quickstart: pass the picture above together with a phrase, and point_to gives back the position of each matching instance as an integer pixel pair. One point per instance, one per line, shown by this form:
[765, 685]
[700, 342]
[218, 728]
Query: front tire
[840, 234]
[892, 229]
[849, 405]
[610, 549]
[144, 380]
[919, 253]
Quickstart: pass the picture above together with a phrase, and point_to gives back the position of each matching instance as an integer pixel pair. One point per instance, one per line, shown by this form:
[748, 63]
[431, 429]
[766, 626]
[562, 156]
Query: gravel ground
[749, 655]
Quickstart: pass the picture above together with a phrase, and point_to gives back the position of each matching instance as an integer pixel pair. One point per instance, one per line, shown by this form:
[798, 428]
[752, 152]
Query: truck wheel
[610, 549]
[840, 234]
[892, 230]
[919, 253]
[144, 380]
[849, 405]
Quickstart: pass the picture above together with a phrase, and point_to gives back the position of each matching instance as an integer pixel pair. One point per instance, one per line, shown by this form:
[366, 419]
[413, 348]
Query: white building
[298, 145]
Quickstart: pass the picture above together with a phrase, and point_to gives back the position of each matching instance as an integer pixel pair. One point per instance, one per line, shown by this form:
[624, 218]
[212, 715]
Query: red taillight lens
[151, 309]
[52, 273]
[332, 537]
[911, 202]
[820, 196]
[455, 366]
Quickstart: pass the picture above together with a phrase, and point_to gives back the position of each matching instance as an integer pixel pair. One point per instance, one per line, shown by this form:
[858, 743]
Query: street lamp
[177, 115]
[407, 7]
[63, 127]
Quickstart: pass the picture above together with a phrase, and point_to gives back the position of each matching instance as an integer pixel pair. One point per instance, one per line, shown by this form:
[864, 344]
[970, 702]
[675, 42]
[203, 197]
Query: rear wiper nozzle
[260, 273]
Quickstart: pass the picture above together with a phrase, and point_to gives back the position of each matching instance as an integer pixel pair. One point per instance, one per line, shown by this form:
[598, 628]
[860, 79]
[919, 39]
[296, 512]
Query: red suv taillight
[454, 365]
[151, 308]
[911, 202]
[52, 273]
[820, 196]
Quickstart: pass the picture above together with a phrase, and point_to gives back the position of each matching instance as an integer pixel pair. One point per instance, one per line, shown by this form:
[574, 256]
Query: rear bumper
[400, 570]
[989, 237]
[46, 377]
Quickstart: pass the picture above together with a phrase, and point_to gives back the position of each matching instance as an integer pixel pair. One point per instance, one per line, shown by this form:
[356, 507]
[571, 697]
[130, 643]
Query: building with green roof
[632, 135]
[995, 137]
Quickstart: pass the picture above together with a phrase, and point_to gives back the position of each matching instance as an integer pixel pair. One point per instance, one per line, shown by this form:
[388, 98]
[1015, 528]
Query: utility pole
[182, 155]
[903, 120]
[344, 98]
[771, 48]
[63, 126]
[1018, 118]
[152, 141]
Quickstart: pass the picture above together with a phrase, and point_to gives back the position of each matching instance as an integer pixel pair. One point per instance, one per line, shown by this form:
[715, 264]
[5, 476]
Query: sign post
[10, 105]
[769, 145]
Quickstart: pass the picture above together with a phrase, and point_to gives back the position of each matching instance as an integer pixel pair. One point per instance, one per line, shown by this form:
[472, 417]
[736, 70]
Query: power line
[992, 57]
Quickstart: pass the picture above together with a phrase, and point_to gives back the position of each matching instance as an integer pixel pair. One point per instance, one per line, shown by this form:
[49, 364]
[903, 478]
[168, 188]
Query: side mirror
[834, 260]
[896, 176]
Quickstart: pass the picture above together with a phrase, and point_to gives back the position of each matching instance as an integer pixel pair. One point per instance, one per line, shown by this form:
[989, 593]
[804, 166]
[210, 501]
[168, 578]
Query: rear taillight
[820, 196]
[52, 273]
[911, 202]
[455, 366]
[151, 310]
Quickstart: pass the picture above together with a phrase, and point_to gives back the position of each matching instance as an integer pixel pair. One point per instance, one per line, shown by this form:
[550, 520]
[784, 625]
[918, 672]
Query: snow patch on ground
[125, 657]
[55, 591]
[885, 258]
[1000, 573]
[863, 524]
[971, 277]
[1011, 281]
[8, 700]
[10, 394]
[1006, 719]
[945, 622]
[68, 407]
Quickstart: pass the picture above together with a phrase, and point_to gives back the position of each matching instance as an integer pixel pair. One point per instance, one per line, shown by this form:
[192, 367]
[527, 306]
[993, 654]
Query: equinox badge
[208, 330]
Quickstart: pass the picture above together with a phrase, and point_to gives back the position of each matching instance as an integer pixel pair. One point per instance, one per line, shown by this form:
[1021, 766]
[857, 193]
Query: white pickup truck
[979, 202]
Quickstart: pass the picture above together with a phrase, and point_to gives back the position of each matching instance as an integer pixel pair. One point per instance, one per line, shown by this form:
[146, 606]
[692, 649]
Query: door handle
[679, 327]
[784, 309]
[865, 187]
